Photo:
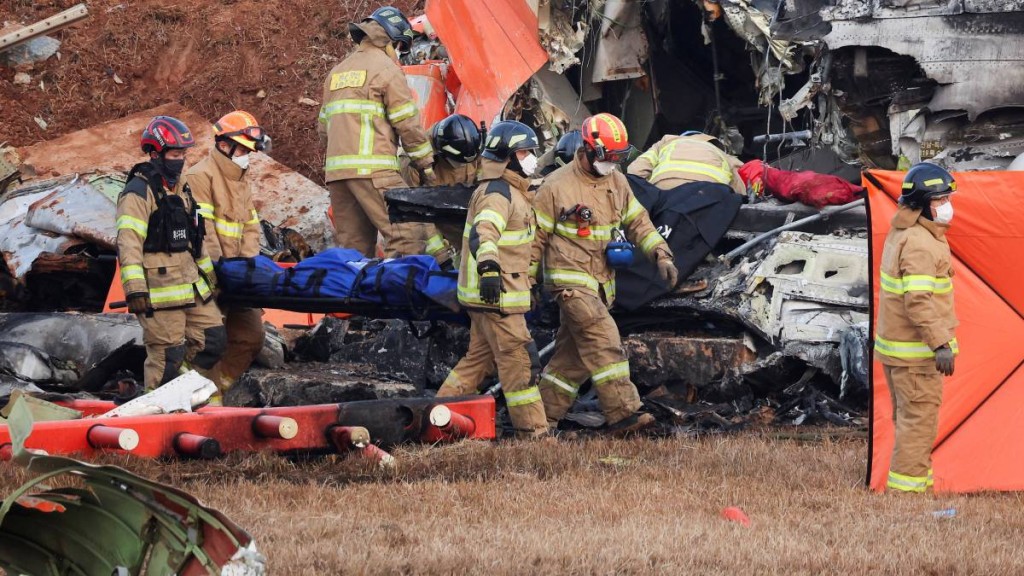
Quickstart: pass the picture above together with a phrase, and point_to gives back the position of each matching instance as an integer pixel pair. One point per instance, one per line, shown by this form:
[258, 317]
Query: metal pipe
[453, 424]
[346, 438]
[783, 137]
[196, 446]
[373, 452]
[100, 436]
[281, 427]
[824, 214]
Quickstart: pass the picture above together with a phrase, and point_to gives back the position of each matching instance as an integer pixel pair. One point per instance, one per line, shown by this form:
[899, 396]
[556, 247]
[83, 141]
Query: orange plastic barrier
[981, 420]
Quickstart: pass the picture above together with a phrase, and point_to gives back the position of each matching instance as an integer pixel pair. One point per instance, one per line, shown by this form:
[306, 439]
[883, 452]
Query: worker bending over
[689, 157]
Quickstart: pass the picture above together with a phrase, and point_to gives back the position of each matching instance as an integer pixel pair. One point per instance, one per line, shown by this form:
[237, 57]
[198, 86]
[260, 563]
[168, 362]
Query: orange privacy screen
[494, 47]
[981, 422]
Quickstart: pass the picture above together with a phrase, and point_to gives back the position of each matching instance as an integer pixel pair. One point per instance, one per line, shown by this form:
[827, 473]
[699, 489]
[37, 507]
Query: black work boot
[630, 424]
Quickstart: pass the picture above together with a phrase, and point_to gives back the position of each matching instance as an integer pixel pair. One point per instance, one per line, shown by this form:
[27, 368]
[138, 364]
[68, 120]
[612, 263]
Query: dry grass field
[635, 506]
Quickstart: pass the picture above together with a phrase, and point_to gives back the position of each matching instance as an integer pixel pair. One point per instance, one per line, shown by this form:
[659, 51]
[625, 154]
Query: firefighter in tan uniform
[690, 157]
[221, 190]
[456, 143]
[367, 107]
[580, 207]
[915, 339]
[495, 279]
[168, 278]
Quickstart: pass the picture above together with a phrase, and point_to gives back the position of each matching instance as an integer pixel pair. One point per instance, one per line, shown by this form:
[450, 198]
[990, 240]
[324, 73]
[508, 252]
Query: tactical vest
[173, 226]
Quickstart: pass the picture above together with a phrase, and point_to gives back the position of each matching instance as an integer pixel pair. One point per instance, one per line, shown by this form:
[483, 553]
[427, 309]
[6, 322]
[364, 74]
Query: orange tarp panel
[494, 47]
[982, 402]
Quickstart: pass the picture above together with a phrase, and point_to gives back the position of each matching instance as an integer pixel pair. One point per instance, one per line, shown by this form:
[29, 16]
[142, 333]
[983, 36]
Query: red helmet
[605, 138]
[166, 133]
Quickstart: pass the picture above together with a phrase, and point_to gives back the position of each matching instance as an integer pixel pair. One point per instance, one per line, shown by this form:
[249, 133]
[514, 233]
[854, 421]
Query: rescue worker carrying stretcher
[581, 208]
[495, 279]
[167, 276]
[221, 191]
[367, 107]
[456, 143]
[915, 339]
[689, 157]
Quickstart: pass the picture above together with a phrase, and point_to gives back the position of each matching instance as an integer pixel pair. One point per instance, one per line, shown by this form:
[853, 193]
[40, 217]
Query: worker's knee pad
[531, 349]
[215, 341]
[174, 356]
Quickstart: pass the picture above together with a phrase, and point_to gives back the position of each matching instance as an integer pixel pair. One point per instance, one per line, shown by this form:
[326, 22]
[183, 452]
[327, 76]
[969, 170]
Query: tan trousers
[193, 337]
[502, 342]
[245, 340]
[916, 393]
[360, 212]
[587, 346]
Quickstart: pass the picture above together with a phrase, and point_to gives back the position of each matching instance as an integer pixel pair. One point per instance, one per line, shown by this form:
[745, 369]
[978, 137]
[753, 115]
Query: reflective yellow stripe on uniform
[568, 229]
[916, 283]
[720, 173]
[471, 295]
[360, 162]
[545, 222]
[352, 106]
[175, 293]
[421, 151]
[132, 272]
[561, 383]
[633, 209]
[650, 241]
[909, 349]
[435, 244]
[570, 277]
[407, 110]
[255, 218]
[126, 222]
[205, 210]
[611, 372]
[205, 264]
[534, 268]
[487, 247]
[907, 483]
[228, 228]
[522, 397]
[203, 288]
[516, 237]
[493, 217]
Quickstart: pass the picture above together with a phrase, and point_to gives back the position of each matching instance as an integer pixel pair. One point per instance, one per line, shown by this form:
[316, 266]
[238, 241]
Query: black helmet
[457, 138]
[506, 137]
[567, 146]
[394, 23]
[924, 182]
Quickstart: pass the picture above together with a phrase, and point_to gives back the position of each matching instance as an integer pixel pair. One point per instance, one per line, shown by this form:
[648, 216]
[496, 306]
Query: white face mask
[944, 213]
[604, 168]
[528, 164]
[242, 161]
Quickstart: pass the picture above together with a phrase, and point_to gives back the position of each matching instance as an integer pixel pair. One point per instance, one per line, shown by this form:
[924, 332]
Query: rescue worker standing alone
[690, 157]
[580, 207]
[494, 279]
[915, 339]
[221, 190]
[167, 276]
[367, 107]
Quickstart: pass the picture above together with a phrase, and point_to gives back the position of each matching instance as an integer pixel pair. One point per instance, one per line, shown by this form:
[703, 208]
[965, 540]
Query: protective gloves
[944, 360]
[668, 272]
[490, 282]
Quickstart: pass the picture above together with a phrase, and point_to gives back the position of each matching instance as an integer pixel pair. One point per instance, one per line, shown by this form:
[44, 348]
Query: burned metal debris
[110, 521]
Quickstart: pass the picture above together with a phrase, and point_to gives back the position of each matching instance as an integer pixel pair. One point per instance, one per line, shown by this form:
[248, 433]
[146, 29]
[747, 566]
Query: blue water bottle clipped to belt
[619, 252]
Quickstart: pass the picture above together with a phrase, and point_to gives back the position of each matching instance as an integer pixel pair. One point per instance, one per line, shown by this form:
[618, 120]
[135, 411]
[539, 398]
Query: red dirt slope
[210, 55]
